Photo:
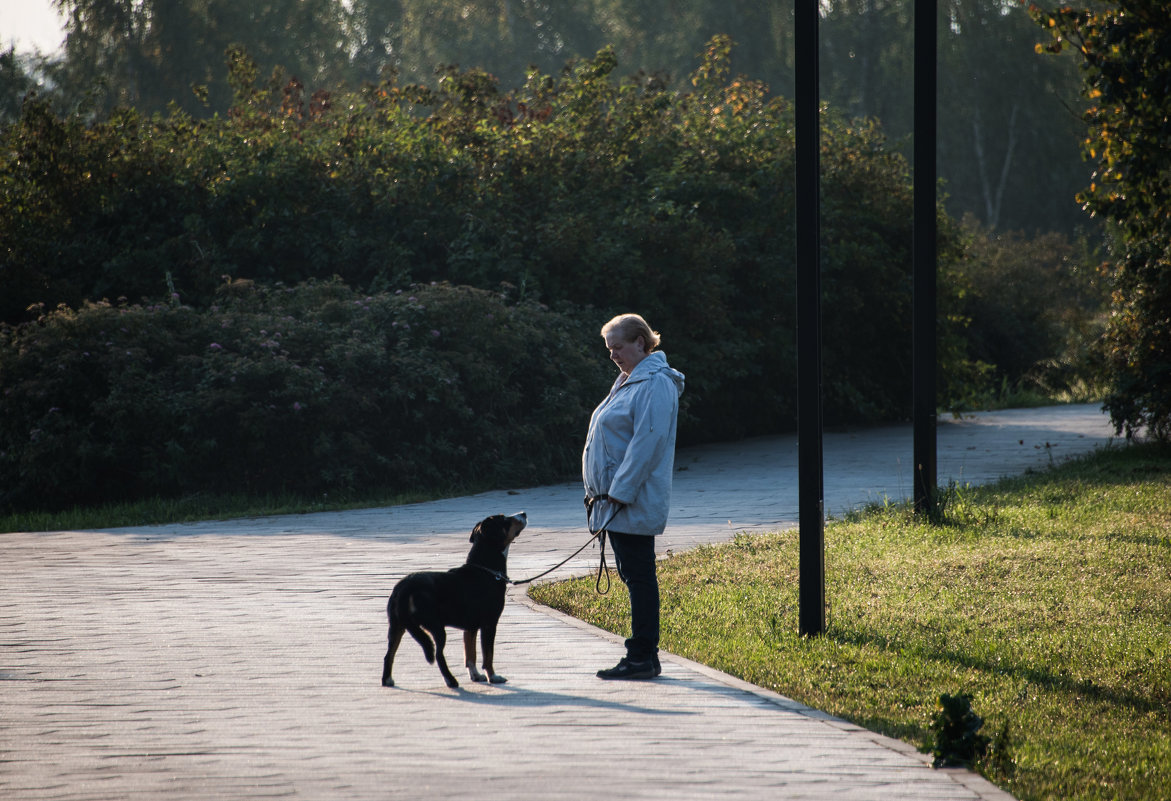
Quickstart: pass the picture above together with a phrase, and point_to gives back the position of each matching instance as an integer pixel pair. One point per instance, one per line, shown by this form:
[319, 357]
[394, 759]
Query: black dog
[469, 597]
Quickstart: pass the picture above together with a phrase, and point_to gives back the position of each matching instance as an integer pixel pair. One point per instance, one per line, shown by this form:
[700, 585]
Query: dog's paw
[479, 677]
[452, 683]
[388, 682]
[496, 678]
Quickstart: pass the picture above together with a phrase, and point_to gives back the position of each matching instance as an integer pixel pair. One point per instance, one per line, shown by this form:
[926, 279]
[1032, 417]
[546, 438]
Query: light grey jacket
[630, 448]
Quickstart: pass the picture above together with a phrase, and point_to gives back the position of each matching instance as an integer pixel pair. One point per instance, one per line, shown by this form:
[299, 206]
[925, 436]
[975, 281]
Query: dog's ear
[475, 532]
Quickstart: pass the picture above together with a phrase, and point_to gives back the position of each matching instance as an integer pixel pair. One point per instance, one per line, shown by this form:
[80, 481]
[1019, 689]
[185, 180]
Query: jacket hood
[655, 363]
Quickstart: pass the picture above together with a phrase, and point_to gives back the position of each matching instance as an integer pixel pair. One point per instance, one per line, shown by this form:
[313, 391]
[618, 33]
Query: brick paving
[240, 659]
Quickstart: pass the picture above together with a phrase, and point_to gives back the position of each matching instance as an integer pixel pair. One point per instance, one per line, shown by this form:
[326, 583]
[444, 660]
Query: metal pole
[924, 259]
[811, 512]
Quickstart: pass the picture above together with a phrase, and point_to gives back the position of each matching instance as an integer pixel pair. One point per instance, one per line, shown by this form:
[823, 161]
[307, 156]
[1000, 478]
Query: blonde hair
[630, 327]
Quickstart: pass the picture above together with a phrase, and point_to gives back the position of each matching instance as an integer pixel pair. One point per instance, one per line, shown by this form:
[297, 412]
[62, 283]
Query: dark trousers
[634, 556]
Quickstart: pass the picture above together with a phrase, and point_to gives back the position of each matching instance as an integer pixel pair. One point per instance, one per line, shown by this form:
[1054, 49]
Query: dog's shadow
[513, 695]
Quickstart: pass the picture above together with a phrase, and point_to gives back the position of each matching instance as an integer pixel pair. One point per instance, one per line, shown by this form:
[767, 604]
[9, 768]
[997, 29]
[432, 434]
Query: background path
[240, 659]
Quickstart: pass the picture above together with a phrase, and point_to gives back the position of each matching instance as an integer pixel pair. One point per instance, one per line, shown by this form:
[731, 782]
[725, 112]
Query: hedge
[306, 389]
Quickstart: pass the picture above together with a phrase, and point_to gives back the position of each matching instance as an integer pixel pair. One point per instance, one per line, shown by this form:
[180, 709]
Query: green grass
[1047, 597]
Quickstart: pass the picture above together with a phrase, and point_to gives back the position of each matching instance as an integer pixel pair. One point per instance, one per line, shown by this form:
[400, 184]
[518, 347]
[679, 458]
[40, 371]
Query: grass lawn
[1047, 598]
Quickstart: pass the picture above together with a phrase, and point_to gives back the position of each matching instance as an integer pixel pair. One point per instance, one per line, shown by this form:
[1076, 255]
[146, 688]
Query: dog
[468, 597]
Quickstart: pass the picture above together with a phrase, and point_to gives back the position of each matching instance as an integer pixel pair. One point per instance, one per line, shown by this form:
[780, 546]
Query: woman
[627, 464]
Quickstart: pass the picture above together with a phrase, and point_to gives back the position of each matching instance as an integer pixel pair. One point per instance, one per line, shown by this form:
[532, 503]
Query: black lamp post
[923, 356]
[810, 491]
[810, 470]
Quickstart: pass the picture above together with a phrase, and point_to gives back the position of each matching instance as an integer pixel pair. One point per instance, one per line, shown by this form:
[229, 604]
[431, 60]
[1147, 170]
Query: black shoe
[626, 669]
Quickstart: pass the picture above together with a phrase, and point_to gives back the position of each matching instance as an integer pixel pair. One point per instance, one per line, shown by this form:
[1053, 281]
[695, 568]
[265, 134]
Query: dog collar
[498, 575]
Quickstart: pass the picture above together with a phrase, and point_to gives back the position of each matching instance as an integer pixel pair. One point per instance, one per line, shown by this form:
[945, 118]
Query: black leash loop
[601, 535]
[602, 566]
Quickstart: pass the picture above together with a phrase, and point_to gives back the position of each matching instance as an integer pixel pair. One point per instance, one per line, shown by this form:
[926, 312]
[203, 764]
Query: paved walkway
[240, 659]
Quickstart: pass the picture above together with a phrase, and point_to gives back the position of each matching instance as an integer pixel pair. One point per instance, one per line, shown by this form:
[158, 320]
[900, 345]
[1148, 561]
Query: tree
[1007, 118]
[507, 37]
[867, 60]
[1126, 57]
[1007, 139]
[17, 79]
[151, 53]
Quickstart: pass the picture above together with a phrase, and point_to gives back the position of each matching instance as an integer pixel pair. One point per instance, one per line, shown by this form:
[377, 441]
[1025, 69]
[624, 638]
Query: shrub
[957, 732]
[1037, 308]
[311, 389]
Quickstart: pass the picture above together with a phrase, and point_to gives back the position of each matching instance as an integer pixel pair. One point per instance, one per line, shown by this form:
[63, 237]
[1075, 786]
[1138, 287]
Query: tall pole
[924, 266]
[811, 501]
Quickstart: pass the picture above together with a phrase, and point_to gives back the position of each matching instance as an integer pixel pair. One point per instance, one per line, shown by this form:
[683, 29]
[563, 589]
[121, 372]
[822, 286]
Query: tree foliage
[151, 54]
[16, 81]
[1126, 65]
[1007, 137]
[1007, 129]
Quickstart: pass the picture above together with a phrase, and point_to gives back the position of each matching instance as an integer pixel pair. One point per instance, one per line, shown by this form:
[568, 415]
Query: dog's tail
[424, 639]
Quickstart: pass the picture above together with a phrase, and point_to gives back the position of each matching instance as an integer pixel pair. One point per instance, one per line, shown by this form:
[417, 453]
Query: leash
[599, 535]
